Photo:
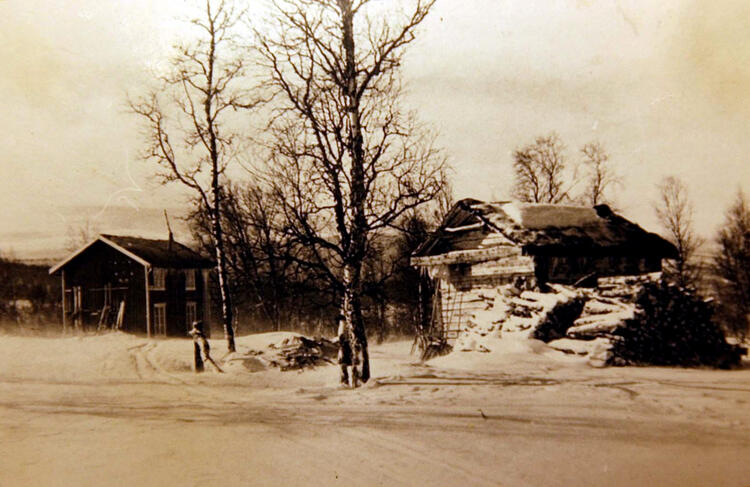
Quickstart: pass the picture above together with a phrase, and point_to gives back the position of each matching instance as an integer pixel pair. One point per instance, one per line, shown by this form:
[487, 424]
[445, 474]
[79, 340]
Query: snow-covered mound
[575, 321]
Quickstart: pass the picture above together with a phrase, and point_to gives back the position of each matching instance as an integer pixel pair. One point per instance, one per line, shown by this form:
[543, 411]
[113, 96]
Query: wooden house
[153, 287]
[480, 246]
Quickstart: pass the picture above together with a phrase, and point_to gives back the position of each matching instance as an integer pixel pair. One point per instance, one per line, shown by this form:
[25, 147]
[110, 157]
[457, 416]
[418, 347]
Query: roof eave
[105, 240]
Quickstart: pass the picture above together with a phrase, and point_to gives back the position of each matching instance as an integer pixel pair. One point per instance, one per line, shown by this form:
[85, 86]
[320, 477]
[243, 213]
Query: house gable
[90, 244]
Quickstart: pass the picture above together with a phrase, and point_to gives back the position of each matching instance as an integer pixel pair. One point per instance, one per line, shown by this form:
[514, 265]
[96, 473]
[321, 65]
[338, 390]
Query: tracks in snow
[465, 380]
[147, 368]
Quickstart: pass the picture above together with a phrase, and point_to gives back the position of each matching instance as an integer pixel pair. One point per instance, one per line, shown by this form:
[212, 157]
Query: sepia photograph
[375, 243]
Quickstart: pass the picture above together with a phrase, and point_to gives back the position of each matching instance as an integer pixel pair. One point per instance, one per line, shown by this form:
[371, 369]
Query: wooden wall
[176, 296]
[567, 269]
[101, 265]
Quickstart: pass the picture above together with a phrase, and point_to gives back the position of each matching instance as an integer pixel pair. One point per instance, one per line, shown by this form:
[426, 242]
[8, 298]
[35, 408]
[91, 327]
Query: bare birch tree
[675, 213]
[347, 160]
[186, 122]
[601, 175]
[443, 204]
[78, 235]
[541, 171]
[732, 265]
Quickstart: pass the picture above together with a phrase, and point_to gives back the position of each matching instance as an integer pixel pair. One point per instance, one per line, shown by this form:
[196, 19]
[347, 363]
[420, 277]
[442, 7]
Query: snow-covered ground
[120, 410]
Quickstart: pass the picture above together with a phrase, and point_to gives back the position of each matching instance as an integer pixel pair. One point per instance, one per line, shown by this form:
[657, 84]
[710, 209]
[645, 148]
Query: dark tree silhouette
[601, 175]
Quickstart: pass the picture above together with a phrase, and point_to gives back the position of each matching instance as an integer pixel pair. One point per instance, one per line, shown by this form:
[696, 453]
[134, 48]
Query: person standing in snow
[200, 342]
[345, 350]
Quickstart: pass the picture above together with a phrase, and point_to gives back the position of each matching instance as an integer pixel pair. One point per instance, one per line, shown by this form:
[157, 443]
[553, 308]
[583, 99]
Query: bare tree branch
[675, 213]
[601, 176]
[346, 159]
[541, 172]
[189, 137]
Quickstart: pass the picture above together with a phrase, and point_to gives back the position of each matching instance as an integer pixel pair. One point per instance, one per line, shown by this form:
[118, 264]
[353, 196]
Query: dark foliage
[672, 326]
[559, 319]
[22, 285]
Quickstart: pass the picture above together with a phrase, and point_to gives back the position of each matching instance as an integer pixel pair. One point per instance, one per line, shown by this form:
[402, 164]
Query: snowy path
[135, 416]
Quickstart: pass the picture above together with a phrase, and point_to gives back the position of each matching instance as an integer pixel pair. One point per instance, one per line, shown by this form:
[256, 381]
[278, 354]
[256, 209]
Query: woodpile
[514, 312]
[301, 352]
[600, 317]
[649, 322]
[636, 320]
[432, 347]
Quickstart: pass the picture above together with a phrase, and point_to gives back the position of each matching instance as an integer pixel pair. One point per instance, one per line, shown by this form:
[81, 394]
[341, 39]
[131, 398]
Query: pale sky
[662, 85]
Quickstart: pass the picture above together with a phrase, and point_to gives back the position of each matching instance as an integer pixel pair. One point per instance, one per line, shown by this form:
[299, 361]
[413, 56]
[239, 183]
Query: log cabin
[480, 246]
[137, 285]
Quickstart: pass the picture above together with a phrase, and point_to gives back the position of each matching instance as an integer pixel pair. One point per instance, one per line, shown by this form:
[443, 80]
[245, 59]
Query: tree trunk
[221, 267]
[221, 264]
[197, 359]
[356, 207]
[352, 311]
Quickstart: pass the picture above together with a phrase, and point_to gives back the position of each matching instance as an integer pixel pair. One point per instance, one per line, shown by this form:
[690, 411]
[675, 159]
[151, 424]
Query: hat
[197, 328]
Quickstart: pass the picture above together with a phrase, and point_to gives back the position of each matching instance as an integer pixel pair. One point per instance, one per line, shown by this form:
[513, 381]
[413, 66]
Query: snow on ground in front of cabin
[85, 410]
[120, 356]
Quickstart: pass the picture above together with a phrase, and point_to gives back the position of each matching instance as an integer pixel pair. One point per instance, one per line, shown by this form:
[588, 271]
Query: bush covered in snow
[672, 326]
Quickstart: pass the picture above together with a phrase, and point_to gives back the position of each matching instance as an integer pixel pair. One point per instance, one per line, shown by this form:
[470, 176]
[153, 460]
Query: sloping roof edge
[456, 216]
[105, 240]
[461, 206]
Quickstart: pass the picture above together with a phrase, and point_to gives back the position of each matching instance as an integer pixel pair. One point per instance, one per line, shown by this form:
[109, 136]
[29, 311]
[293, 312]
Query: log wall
[467, 288]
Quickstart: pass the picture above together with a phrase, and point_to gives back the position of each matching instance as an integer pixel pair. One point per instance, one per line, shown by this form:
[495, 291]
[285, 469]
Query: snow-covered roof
[537, 215]
[539, 229]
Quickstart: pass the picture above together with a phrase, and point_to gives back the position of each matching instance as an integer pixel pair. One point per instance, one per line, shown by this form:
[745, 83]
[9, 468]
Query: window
[160, 318]
[190, 280]
[160, 278]
[68, 300]
[191, 314]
